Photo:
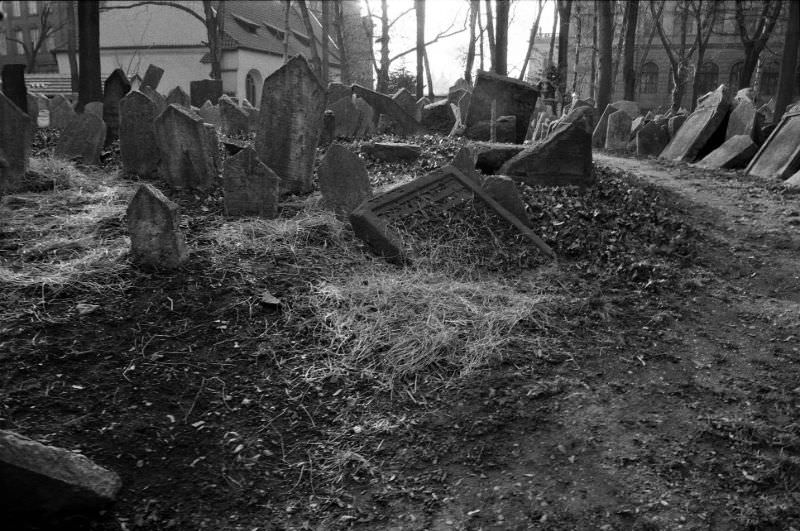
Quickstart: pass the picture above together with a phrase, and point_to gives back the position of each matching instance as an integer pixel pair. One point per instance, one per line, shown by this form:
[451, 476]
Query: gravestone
[438, 117]
[13, 76]
[153, 225]
[137, 135]
[734, 153]
[600, 130]
[156, 97]
[779, 156]
[252, 115]
[463, 105]
[116, 87]
[460, 84]
[347, 116]
[422, 102]
[407, 102]
[465, 161]
[33, 108]
[565, 158]
[210, 114]
[290, 123]
[392, 151]
[692, 138]
[503, 190]
[630, 107]
[40, 483]
[675, 123]
[506, 130]
[16, 137]
[189, 149]
[619, 131]
[744, 94]
[382, 104]
[366, 120]
[152, 77]
[94, 107]
[768, 110]
[636, 124]
[178, 97]
[82, 139]
[234, 120]
[745, 120]
[343, 180]
[491, 157]
[205, 89]
[651, 139]
[328, 134]
[61, 112]
[43, 105]
[250, 187]
[513, 97]
[337, 91]
[581, 114]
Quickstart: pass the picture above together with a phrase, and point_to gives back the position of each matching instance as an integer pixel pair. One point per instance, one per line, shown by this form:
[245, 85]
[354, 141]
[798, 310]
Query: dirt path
[690, 422]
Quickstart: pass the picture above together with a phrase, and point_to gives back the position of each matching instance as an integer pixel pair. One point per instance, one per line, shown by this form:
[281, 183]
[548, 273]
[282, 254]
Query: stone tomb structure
[137, 135]
[694, 135]
[779, 157]
[250, 187]
[156, 239]
[189, 149]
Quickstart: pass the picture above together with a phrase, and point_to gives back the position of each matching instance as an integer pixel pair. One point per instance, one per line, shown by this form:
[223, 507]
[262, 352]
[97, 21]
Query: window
[19, 49]
[736, 72]
[33, 7]
[34, 38]
[3, 47]
[15, 8]
[707, 77]
[769, 79]
[649, 79]
[252, 84]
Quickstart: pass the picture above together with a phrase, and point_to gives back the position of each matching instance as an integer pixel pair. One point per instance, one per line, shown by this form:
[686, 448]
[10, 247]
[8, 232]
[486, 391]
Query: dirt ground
[657, 388]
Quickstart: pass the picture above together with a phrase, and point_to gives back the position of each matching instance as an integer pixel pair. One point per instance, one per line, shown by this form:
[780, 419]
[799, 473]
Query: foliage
[401, 78]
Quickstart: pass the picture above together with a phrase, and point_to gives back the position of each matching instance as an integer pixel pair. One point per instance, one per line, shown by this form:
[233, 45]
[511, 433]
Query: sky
[447, 56]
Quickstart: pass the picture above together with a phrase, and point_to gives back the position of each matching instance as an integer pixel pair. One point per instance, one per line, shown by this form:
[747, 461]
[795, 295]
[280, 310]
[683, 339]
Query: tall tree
[755, 42]
[316, 62]
[553, 35]
[645, 50]
[287, 9]
[72, 39]
[532, 39]
[480, 34]
[474, 11]
[501, 37]
[344, 63]
[89, 84]
[678, 53]
[47, 28]
[593, 62]
[628, 73]
[419, 7]
[578, 32]
[326, 32]
[704, 13]
[605, 38]
[564, 14]
[788, 73]
[490, 31]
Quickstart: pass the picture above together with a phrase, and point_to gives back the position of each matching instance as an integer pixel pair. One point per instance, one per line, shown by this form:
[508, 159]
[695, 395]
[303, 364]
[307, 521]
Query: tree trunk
[286, 30]
[605, 39]
[593, 83]
[474, 9]
[316, 63]
[480, 28]
[753, 45]
[618, 49]
[564, 15]
[553, 35]
[344, 64]
[428, 75]
[215, 30]
[578, 30]
[786, 81]
[490, 32]
[419, 7]
[531, 41]
[90, 87]
[751, 55]
[696, 82]
[383, 71]
[326, 31]
[501, 39]
[628, 73]
[72, 38]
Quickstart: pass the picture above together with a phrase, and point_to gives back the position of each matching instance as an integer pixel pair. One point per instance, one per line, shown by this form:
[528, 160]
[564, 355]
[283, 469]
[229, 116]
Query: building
[22, 28]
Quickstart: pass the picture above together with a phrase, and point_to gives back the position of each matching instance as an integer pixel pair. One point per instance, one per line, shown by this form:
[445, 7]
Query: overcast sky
[447, 56]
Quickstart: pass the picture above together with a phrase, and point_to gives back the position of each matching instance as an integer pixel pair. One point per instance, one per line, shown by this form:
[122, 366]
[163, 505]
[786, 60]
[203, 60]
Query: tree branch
[176, 5]
[441, 35]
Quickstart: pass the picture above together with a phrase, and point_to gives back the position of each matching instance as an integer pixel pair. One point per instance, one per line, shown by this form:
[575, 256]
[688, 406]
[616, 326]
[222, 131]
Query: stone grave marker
[328, 134]
[189, 148]
[438, 117]
[674, 124]
[153, 225]
[13, 76]
[137, 135]
[210, 114]
[290, 123]
[16, 137]
[82, 139]
[178, 97]
[383, 104]
[33, 108]
[491, 157]
[422, 102]
[43, 105]
[651, 139]
[233, 118]
[407, 102]
[250, 187]
[630, 107]
[465, 161]
[513, 97]
[156, 97]
[693, 136]
[205, 89]
[619, 131]
[116, 86]
[768, 110]
[503, 190]
[366, 120]
[61, 112]
[734, 153]
[506, 130]
[443, 189]
[347, 116]
[600, 130]
[94, 107]
[152, 77]
[779, 156]
[745, 120]
[343, 180]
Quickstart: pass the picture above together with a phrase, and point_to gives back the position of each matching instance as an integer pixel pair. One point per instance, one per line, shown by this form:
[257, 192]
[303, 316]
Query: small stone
[153, 222]
[82, 139]
[250, 187]
[343, 180]
[392, 151]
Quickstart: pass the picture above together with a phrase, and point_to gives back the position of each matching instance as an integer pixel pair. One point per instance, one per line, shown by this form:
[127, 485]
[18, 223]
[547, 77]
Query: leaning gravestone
[16, 136]
[347, 116]
[250, 187]
[513, 97]
[438, 117]
[155, 97]
[13, 76]
[94, 107]
[82, 139]
[619, 131]
[700, 126]
[491, 157]
[178, 97]
[189, 149]
[745, 120]
[61, 112]
[674, 124]
[651, 139]
[505, 130]
[205, 89]
[407, 102]
[600, 130]
[503, 190]
[116, 86]
[343, 180]
[210, 113]
[234, 120]
[779, 156]
[137, 135]
[383, 104]
[153, 224]
[152, 77]
[290, 122]
[735, 153]
[39, 482]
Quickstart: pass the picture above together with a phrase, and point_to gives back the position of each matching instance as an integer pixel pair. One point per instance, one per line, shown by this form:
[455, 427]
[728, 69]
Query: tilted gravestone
[234, 120]
[383, 104]
[13, 76]
[137, 135]
[779, 156]
[505, 131]
[513, 97]
[94, 107]
[700, 127]
[189, 149]
[503, 190]
[348, 117]
[674, 124]
[443, 189]
[290, 122]
[156, 97]
[153, 225]
[438, 117]
[745, 120]
[407, 102]
[116, 86]
[651, 139]
[735, 153]
[491, 157]
[82, 139]
[619, 131]
[61, 112]
[343, 180]
[250, 187]
[16, 137]
[328, 128]
[152, 77]
[565, 158]
[210, 114]
[600, 130]
[366, 118]
[205, 89]
[178, 97]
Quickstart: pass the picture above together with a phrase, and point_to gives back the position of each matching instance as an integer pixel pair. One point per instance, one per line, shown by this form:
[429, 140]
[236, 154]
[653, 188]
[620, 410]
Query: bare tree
[286, 30]
[500, 64]
[532, 39]
[564, 13]
[645, 51]
[553, 34]
[344, 65]
[326, 28]
[419, 8]
[89, 84]
[490, 31]
[678, 53]
[474, 11]
[72, 39]
[46, 30]
[704, 13]
[605, 39]
[316, 63]
[755, 42]
[788, 73]
[628, 73]
[578, 31]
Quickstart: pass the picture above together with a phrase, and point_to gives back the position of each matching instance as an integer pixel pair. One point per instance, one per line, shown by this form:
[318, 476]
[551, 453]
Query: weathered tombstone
[153, 225]
[43, 105]
[407, 102]
[234, 120]
[94, 107]
[744, 94]
[422, 102]
[768, 110]
[33, 107]
[392, 151]
[16, 137]
[39, 482]
[250, 187]
[438, 117]
[337, 91]
[343, 180]
[700, 127]
[636, 124]
[328, 128]
[779, 156]
[292, 104]
[619, 131]
[210, 114]
[503, 190]
[735, 153]
[383, 104]
[674, 124]
[156, 97]
[565, 158]
[205, 89]
[13, 76]
[61, 112]
[491, 157]
[460, 84]
[506, 130]
[463, 105]
[630, 107]
[347, 117]
[455, 95]
[137, 136]
[152, 77]
[251, 113]
[189, 148]
[366, 118]
[116, 86]
[178, 97]
[464, 161]
[745, 120]
[513, 97]
[651, 139]
[82, 139]
[581, 114]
